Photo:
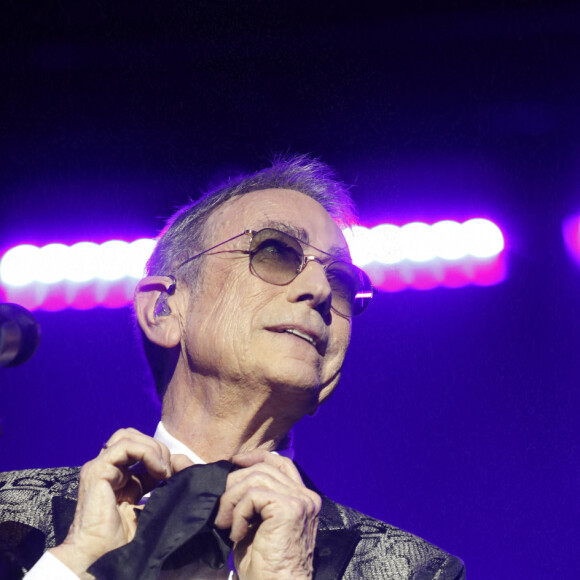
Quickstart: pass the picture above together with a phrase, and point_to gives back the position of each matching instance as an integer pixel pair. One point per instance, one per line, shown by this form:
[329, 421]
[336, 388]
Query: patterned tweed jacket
[37, 507]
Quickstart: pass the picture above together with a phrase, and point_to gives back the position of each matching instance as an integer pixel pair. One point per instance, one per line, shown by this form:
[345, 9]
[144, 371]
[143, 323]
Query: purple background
[457, 417]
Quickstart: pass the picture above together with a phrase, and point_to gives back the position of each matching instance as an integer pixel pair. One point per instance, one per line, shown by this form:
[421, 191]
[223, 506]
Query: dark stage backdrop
[457, 415]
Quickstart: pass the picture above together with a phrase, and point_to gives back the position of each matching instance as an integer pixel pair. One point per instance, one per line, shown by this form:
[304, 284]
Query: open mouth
[301, 335]
[318, 341]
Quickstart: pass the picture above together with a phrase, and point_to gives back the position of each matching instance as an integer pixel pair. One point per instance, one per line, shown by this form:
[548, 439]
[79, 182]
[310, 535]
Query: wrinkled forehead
[286, 210]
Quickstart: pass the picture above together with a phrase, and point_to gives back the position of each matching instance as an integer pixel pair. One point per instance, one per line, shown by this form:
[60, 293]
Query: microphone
[19, 335]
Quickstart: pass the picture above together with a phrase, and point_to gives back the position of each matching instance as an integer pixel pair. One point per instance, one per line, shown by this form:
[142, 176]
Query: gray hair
[185, 233]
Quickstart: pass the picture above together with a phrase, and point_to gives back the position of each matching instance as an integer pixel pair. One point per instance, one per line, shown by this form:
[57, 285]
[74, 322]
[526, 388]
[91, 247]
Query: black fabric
[20, 545]
[334, 549]
[175, 528]
[63, 511]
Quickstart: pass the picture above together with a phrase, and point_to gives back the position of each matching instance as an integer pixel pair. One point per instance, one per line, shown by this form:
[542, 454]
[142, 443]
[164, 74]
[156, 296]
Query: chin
[294, 376]
[328, 388]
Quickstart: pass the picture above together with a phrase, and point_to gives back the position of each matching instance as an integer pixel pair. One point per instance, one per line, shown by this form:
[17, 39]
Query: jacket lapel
[333, 552]
[335, 544]
[63, 511]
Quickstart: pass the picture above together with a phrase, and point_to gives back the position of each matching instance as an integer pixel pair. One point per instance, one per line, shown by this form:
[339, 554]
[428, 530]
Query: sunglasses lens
[351, 288]
[275, 257]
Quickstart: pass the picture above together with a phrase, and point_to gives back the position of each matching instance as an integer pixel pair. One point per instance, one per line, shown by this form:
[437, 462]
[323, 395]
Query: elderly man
[245, 316]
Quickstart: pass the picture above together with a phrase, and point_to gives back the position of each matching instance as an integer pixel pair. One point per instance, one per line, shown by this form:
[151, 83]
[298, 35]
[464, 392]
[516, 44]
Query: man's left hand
[273, 518]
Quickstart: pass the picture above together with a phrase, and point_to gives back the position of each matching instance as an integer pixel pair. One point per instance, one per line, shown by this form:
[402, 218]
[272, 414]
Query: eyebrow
[295, 231]
[300, 233]
[340, 253]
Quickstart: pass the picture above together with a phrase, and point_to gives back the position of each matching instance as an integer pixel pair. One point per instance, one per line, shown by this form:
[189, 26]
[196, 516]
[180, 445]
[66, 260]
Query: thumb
[179, 462]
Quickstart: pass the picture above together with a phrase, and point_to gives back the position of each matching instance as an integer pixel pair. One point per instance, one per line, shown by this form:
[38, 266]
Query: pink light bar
[81, 276]
[424, 256]
[571, 233]
[414, 255]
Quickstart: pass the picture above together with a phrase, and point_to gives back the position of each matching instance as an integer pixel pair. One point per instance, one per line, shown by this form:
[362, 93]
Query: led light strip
[420, 243]
[81, 262]
[415, 255]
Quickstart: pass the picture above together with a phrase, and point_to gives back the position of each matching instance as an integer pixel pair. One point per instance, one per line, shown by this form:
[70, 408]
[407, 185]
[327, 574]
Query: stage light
[113, 263]
[81, 262]
[483, 238]
[81, 276]
[51, 264]
[386, 239]
[423, 256]
[420, 242]
[414, 255]
[19, 265]
[449, 240]
[571, 234]
[417, 242]
[82, 258]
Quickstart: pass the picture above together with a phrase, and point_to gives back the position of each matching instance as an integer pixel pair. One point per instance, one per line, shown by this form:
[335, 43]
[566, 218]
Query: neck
[218, 421]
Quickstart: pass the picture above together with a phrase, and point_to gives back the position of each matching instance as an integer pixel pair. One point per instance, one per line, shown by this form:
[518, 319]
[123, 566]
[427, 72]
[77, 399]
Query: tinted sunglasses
[277, 258]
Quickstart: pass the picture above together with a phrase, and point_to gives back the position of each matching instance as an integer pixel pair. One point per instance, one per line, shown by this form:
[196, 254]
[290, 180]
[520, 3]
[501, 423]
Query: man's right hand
[108, 493]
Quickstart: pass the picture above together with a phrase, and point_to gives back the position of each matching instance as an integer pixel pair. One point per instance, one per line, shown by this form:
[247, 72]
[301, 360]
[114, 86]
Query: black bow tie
[174, 529]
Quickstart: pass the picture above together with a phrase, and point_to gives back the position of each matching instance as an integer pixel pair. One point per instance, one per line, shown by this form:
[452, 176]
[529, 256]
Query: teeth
[301, 335]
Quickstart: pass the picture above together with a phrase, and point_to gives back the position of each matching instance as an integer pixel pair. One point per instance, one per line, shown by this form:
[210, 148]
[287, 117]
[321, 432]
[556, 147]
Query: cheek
[340, 341]
[220, 327]
[341, 335]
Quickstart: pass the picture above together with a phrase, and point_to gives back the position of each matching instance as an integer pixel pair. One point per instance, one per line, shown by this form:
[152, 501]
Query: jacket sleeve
[36, 509]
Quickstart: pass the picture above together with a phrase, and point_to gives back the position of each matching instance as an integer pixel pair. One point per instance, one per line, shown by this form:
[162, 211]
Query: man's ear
[156, 310]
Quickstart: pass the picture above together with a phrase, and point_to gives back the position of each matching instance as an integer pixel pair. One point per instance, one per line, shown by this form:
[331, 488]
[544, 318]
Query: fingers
[127, 447]
[109, 487]
[277, 510]
[131, 463]
[273, 517]
[179, 462]
[269, 488]
[283, 464]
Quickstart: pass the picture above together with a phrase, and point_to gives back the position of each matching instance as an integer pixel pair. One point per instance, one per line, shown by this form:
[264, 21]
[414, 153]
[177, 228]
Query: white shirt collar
[175, 446]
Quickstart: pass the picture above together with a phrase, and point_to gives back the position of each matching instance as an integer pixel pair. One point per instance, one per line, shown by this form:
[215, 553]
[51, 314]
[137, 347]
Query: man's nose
[312, 286]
